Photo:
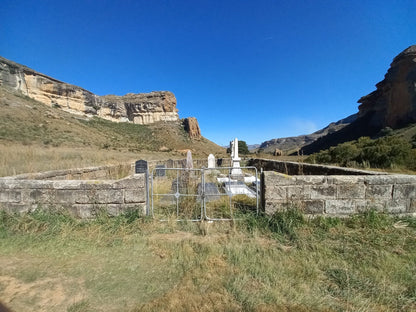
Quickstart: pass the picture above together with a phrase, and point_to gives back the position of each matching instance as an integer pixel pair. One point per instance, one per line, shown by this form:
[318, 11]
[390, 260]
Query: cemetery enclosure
[203, 194]
[213, 193]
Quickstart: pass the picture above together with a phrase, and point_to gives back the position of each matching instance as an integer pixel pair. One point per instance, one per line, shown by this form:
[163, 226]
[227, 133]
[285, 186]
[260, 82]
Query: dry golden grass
[35, 137]
[51, 262]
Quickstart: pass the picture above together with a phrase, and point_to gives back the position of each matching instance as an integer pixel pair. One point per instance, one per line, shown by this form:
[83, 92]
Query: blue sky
[255, 70]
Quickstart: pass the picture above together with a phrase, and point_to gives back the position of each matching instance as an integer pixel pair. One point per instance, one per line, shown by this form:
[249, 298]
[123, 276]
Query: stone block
[325, 191]
[396, 206]
[10, 196]
[135, 196]
[41, 196]
[67, 185]
[365, 205]
[138, 181]
[274, 192]
[64, 196]
[15, 196]
[4, 196]
[108, 197]
[350, 191]
[404, 179]
[313, 206]
[310, 179]
[113, 209]
[412, 205]
[85, 211]
[274, 206]
[340, 207]
[380, 179]
[298, 192]
[344, 179]
[404, 191]
[274, 178]
[379, 192]
[15, 207]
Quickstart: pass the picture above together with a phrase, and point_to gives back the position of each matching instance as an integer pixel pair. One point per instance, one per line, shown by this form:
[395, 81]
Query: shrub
[385, 152]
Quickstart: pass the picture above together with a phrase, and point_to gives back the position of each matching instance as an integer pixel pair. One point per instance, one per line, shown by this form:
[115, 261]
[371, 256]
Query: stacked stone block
[339, 195]
[82, 198]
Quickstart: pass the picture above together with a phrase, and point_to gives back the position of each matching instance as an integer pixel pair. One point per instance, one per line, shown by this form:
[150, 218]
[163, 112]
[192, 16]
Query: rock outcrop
[393, 104]
[142, 108]
[191, 126]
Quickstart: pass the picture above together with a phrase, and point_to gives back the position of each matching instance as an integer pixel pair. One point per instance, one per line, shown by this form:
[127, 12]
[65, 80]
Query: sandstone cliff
[393, 104]
[191, 126]
[142, 108]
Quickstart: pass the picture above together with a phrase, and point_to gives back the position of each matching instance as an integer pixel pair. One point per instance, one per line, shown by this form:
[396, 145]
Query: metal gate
[203, 194]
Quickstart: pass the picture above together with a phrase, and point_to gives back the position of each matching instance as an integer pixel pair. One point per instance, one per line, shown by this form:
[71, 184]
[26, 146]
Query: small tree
[243, 148]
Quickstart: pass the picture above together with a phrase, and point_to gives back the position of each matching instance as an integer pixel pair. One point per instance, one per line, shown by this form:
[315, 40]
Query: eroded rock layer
[192, 127]
[141, 108]
[393, 104]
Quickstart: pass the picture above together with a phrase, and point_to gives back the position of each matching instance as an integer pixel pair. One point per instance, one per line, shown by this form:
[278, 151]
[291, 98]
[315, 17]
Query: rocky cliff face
[142, 108]
[191, 126]
[393, 104]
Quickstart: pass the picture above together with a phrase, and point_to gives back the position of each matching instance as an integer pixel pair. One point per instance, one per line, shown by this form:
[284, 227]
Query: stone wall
[339, 195]
[298, 168]
[82, 198]
[109, 172]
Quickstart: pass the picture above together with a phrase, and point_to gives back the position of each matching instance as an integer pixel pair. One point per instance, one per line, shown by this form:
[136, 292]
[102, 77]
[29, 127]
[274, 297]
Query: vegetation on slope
[28, 127]
[394, 150]
[52, 262]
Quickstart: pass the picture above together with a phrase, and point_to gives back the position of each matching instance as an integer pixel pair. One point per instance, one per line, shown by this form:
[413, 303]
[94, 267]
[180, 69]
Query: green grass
[277, 263]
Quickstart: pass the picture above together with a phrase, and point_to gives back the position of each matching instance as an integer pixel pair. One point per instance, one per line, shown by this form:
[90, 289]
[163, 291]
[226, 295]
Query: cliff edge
[141, 108]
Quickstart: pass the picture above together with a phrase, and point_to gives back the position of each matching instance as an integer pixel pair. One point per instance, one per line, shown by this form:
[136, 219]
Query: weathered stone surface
[298, 192]
[412, 205]
[313, 206]
[134, 182]
[141, 108]
[191, 126]
[135, 196]
[323, 191]
[365, 205]
[276, 192]
[10, 196]
[340, 207]
[379, 191]
[396, 206]
[348, 191]
[394, 102]
[404, 191]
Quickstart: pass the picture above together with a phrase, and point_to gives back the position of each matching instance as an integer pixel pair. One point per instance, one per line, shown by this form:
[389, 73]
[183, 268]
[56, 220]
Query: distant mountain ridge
[296, 142]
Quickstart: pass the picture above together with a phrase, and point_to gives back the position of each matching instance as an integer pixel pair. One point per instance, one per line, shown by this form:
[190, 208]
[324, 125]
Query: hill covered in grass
[30, 127]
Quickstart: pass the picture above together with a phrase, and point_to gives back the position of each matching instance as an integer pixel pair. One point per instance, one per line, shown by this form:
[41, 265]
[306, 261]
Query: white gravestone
[236, 170]
[211, 161]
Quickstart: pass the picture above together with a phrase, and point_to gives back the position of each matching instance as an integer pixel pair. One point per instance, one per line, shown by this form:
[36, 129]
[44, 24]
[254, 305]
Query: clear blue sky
[255, 70]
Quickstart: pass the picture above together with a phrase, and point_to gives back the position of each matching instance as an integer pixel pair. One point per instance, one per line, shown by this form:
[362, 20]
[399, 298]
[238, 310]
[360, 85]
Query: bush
[385, 152]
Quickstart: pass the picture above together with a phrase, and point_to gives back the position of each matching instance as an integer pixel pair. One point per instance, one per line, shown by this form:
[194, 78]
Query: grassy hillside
[34, 136]
[51, 262]
[393, 149]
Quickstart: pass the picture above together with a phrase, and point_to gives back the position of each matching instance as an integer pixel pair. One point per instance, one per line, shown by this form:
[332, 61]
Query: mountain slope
[28, 122]
[393, 104]
[294, 143]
